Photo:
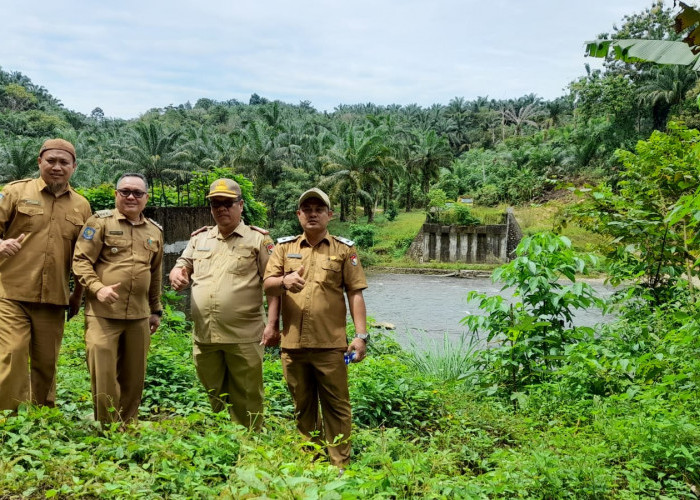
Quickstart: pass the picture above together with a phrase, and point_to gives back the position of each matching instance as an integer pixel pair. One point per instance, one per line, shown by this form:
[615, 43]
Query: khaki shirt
[315, 317]
[39, 272]
[226, 276]
[112, 250]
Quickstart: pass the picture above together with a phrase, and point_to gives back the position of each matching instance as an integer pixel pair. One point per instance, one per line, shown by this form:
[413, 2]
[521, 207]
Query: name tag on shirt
[116, 232]
[294, 255]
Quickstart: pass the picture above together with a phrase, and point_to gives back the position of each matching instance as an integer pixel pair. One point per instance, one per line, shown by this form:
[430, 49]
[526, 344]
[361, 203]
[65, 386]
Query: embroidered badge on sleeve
[88, 233]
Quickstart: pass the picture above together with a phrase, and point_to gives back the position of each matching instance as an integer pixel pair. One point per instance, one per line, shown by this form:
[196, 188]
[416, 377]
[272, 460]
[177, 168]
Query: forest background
[549, 410]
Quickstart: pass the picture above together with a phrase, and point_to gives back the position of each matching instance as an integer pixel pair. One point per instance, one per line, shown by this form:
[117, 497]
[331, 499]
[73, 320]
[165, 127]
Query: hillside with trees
[369, 156]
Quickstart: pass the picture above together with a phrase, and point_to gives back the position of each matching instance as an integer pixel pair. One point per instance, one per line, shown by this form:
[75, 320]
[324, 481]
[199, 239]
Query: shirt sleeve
[264, 251]
[275, 265]
[353, 274]
[185, 260]
[7, 207]
[154, 290]
[87, 251]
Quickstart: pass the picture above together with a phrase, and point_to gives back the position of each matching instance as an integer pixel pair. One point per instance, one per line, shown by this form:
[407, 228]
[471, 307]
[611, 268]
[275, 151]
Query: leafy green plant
[363, 235]
[459, 215]
[392, 211]
[650, 218]
[384, 392]
[532, 333]
[100, 197]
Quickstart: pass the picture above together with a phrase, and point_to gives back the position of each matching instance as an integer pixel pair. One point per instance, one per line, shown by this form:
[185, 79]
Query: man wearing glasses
[118, 260]
[225, 266]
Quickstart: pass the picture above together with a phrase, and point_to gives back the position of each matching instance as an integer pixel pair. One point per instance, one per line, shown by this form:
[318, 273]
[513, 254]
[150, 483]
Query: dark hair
[132, 174]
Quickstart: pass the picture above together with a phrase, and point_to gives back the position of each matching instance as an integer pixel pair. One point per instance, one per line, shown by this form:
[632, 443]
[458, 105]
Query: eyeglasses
[128, 192]
[224, 203]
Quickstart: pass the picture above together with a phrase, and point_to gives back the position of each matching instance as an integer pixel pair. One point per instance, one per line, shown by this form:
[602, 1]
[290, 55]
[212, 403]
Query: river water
[424, 306]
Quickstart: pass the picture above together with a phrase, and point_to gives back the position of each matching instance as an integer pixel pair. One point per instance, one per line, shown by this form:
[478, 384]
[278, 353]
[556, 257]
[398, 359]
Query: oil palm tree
[18, 160]
[355, 169]
[153, 152]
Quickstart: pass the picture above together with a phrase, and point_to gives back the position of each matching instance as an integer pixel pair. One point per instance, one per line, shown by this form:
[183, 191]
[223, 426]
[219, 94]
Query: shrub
[387, 393]
[392, 211]
[534, 331]
[489, 195]
[363, 234]
[459, 215]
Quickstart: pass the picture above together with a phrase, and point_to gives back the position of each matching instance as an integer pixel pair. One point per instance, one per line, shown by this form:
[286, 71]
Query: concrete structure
[494, 243]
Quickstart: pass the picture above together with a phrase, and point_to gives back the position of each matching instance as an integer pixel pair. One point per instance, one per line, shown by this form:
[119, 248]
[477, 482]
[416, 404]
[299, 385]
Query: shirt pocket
[242, 261]
[332, 272]
[292, 265]
[201, 262]
[71, 226]
[29, 217]
[147, 249]
[115, 248]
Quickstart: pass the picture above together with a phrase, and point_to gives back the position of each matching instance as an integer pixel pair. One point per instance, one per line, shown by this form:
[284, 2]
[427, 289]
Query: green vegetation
[527, 405]
[616, 419]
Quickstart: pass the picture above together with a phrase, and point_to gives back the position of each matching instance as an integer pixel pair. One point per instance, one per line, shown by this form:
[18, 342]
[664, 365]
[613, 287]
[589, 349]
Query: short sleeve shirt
[40, 271]
[226, 276]
[316, 316]
[110, 249]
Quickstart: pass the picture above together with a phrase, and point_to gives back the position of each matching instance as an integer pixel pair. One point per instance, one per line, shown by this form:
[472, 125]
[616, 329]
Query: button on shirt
[110, 249]
[39, 272]
[226, 275]
[316, 316]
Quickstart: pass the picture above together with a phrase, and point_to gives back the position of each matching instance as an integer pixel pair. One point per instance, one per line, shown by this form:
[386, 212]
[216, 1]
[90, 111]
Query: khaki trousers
[30, 338]
[320, 375]
[116, 357]
[232, 376]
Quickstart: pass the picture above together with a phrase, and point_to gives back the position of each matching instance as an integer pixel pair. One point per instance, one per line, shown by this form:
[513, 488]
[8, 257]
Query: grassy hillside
[392, 238]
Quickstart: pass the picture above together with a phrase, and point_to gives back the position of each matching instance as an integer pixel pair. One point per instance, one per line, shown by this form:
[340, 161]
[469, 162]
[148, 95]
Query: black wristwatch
[282, 285]
[362, 336]
[158, 313]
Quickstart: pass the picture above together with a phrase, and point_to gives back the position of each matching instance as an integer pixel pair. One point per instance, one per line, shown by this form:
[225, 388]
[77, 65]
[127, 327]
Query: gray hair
[133, 174]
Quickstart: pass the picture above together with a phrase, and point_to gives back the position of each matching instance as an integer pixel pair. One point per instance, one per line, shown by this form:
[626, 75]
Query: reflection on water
[420, 305]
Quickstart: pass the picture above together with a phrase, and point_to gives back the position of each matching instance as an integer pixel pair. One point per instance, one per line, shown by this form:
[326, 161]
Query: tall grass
[450, 361]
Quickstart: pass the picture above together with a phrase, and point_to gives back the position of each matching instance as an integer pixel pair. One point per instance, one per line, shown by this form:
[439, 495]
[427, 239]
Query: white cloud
[133, 56]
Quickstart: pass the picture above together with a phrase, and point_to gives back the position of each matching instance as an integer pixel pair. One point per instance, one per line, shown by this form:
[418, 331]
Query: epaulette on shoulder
[260, 230]
[286, 239]
[344, 240]
[20, 181]
[154, 223]
[102, 214]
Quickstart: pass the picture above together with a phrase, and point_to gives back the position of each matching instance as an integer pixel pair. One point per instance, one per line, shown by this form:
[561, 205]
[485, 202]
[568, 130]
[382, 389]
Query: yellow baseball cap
[225, 187]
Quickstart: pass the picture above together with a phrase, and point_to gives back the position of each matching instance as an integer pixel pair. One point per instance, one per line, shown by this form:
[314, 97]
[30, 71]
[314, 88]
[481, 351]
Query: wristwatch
[282, 285]
[362, 336]
[158, 313]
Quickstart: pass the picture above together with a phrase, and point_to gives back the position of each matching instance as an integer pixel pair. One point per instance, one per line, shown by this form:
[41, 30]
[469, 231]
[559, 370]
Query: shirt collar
[121, 216]
[240, 230]
[41, 183]
[326, 238]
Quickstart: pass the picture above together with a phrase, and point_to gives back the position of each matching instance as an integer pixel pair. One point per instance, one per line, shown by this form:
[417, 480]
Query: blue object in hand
[349, 357]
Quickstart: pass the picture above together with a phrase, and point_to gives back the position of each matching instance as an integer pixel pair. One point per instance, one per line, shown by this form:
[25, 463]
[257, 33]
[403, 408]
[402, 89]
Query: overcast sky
[129, 56]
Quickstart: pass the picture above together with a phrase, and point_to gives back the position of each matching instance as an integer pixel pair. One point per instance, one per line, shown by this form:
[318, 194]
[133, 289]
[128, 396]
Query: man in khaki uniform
[311, 272]
[40, 219]
[225, 266]
[118, 259]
